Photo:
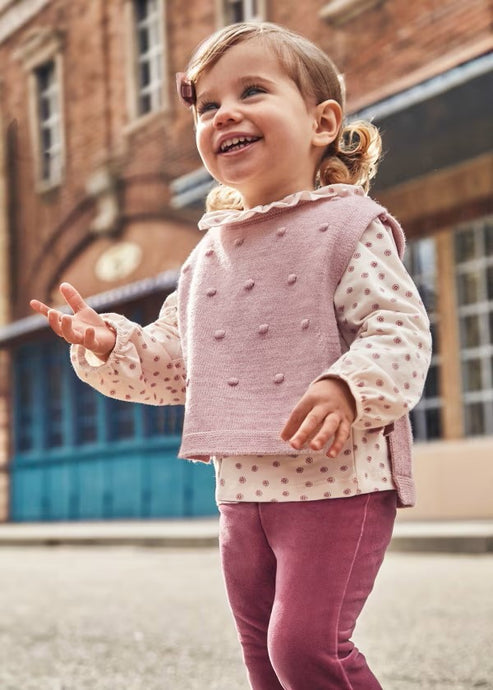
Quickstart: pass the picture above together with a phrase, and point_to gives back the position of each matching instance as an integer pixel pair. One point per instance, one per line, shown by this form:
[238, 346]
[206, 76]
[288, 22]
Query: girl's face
[255, 131]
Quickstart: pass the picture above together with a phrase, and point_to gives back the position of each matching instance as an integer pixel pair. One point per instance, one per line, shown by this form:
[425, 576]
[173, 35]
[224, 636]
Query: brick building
[100, 185]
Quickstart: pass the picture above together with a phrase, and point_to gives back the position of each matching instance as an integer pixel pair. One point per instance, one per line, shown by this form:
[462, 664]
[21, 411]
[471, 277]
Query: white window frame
[155, 57]
[483, 310]
[50, 157]
[252, 11]
[44, 47]
[427, 277]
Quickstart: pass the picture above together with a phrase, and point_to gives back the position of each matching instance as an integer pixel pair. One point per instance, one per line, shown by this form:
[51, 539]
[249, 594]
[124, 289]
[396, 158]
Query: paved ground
[128, 618]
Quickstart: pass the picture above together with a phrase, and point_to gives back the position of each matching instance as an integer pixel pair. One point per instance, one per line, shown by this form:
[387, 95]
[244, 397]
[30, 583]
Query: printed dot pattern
[301, 477]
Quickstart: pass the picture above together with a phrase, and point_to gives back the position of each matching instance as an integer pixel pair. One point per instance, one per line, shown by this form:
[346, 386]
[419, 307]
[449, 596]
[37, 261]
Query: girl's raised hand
[84, 327]
[326, 411]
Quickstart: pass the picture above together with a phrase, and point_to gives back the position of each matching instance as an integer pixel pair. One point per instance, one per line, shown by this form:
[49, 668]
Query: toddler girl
[297, 342]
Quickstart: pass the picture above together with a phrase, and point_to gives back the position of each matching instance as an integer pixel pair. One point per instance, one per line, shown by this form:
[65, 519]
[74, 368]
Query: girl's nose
[225, 114]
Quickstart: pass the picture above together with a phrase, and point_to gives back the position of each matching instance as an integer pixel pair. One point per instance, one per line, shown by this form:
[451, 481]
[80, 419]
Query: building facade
[100, 185]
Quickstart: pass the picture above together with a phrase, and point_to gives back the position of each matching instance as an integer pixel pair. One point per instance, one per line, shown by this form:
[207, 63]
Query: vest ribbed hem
[203, 445]
[406, 491]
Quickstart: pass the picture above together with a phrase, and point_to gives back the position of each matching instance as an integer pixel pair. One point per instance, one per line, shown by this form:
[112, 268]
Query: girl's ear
[328, 120]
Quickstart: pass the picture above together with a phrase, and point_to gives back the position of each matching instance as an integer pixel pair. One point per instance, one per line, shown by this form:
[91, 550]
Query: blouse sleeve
[384, 329]
[146, 364]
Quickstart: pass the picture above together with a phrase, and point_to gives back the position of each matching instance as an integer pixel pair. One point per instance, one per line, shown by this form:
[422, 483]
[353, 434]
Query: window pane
[143, 41]
[86, 415]
[472, 375]
[424, 256]
[121, 420]
[145, 103]
[141, 9]
[145, 73]
[54, 400]
[474, 419]
[235, 11]
[44, 108]
[488, 238]
[489, 282]
[465, 246]
[470, 331]
[24, 397]
[433, 423]
[468, 287]
[46, 140]
[421, 263]
[163, 421]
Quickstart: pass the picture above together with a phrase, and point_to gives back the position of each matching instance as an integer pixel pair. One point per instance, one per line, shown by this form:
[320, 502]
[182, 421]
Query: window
[49, 123]
[24, 409]
[55, 411]
[149, 52]
[233, 11]
[53, 376]
[421, 263]
[41, 55]
[163, 421]
[473, 251]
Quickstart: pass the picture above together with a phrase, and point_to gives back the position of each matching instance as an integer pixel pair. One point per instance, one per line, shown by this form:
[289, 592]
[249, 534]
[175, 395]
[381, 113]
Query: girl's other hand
[85, 327]
[326, 411]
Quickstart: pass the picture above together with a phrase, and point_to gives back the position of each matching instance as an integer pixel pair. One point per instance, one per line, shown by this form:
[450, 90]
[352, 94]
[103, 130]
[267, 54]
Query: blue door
[81, 456]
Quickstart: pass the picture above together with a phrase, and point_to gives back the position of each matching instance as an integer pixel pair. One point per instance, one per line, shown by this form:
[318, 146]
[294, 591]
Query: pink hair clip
[186, 90]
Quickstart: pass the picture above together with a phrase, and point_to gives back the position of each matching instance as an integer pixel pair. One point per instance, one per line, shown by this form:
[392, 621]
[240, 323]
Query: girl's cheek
[203, 138]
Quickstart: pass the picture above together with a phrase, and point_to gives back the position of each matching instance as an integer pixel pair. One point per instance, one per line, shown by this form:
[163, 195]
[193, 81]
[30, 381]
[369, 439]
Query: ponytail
[223, 198]
[354, 157]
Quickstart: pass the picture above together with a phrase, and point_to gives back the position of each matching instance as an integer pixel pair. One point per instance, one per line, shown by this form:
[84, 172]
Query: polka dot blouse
[385, 370]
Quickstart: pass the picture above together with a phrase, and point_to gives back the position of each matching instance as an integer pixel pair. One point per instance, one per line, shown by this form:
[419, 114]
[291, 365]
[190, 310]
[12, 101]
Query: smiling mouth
[236, 143]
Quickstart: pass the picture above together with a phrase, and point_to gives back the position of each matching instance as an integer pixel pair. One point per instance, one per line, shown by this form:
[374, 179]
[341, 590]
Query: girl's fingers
[70, 334]
[54, 320]
[342, 435]
[72, 297]
[90, 339]
[329, 427]
[40, 307]
[295, 420]
[313, 420]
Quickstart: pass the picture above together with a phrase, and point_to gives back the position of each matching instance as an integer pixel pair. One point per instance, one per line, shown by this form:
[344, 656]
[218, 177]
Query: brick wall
[380, 50]
[397, 43]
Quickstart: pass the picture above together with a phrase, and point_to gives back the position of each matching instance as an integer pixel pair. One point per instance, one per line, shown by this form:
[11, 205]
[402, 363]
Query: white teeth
[234, 141]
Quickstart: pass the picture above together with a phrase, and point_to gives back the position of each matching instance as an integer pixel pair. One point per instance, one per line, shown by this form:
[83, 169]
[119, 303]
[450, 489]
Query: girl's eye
[209, 106]
[252, 90]
[206, 107]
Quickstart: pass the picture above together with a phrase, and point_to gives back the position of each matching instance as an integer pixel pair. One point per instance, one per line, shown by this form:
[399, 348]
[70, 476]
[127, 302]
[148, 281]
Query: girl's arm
[384, 323]
[385, 330]
[118, 357]
[146, 363]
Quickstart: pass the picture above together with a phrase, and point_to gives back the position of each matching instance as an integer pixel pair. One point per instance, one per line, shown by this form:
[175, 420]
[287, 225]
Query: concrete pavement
[439, 537]
[130, 618]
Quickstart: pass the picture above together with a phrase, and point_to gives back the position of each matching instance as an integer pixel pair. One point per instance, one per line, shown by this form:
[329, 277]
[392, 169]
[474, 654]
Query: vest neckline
[232, 216]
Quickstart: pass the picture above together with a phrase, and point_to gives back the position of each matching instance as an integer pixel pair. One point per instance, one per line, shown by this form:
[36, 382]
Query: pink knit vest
[257, 325]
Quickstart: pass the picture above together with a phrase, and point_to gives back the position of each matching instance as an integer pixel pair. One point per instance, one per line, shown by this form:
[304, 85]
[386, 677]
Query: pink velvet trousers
[297, 577]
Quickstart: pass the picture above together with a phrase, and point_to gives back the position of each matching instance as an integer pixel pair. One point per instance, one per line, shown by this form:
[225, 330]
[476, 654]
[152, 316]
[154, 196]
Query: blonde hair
[352, 157]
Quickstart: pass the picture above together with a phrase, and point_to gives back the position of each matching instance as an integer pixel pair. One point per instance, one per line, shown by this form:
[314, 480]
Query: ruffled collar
[229, 216]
